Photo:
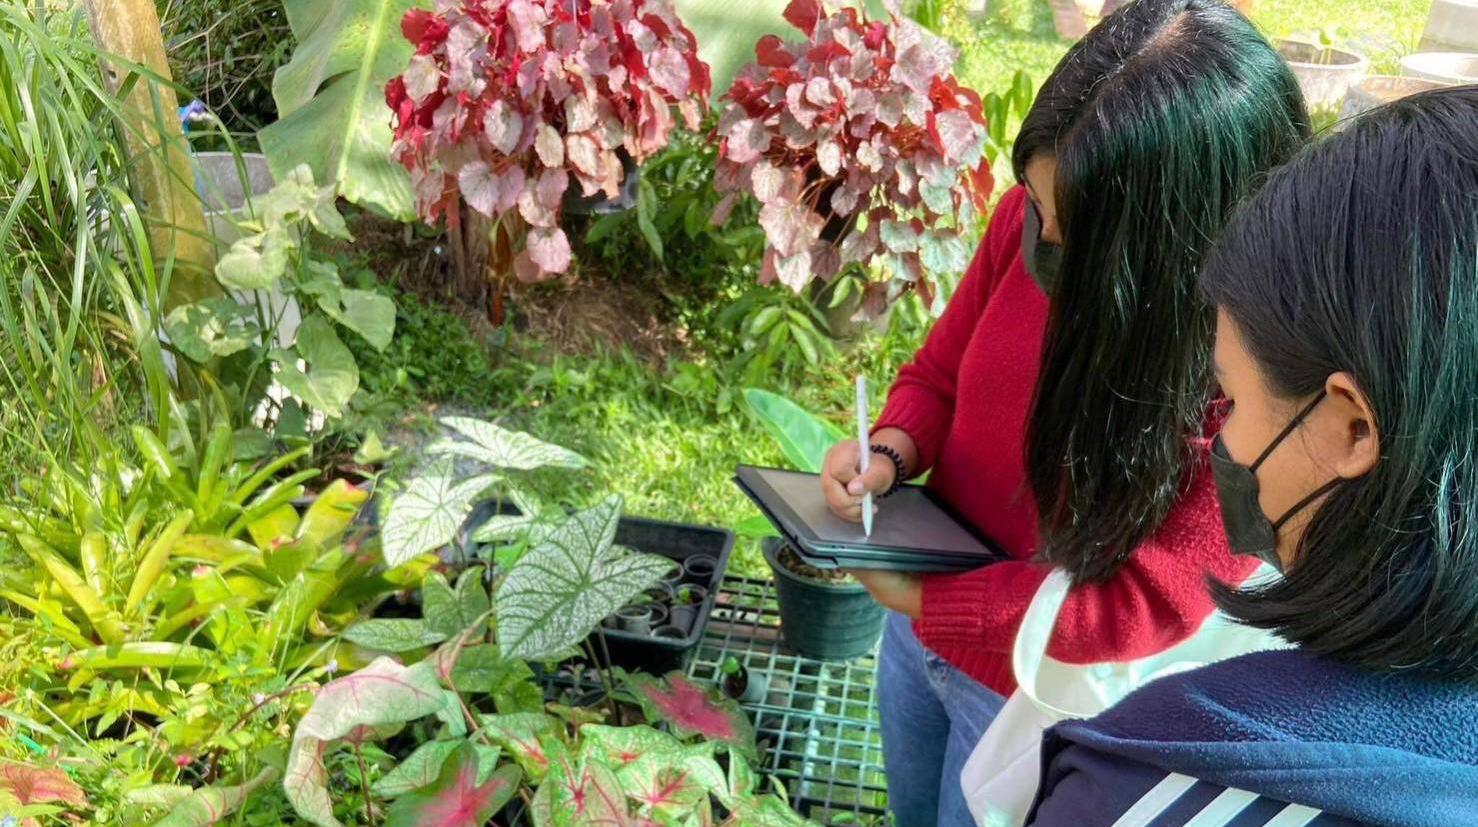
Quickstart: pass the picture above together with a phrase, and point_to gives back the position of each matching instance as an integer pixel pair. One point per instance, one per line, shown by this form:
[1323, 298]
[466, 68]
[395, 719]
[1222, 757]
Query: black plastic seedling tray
[677, 541]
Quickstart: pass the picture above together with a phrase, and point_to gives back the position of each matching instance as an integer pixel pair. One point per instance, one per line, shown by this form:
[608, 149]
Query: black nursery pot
[685, 612]
[821, 619]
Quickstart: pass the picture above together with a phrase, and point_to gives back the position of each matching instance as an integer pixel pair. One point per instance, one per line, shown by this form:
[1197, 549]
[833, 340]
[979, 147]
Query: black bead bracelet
[900, 472]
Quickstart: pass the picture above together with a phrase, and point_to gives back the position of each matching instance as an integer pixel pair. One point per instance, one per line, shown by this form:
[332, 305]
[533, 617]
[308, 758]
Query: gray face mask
[1249, 531]
[1042, 259]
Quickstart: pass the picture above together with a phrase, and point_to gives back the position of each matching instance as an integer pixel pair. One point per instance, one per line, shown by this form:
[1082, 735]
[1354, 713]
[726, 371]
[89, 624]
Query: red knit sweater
[965, 400]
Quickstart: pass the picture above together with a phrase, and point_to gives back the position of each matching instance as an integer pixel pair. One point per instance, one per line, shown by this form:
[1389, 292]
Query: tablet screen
[907, 520]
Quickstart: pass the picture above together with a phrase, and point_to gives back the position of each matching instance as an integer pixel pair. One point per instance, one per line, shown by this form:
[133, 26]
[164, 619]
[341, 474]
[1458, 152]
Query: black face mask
[1043, 259]
[1249, 531]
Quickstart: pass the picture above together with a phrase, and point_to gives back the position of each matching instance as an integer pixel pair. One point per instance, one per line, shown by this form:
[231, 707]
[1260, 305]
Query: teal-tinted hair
[1161, 119]
[1362, 256]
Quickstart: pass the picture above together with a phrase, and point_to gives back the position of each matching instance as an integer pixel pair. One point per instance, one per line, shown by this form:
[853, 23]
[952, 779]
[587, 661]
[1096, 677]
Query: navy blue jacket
[1275, 738]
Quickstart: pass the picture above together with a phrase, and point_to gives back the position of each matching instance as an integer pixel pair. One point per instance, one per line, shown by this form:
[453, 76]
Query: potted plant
[508, 106]
[741, 684]
[823, 614]
[686, 604]
[1324, 71]
[863, 151]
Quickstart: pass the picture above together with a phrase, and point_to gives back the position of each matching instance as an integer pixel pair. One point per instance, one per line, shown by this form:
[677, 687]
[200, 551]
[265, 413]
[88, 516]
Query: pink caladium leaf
[549, 146]
[794, 271]
[532, 738]
[456, 799]
[480, 187]
[382, 695]
[503, 126]
[694, 710]
[829, 157]
[747, 140]
[587, 793]
[550, 249]
[30, 785]
[790, 225]
[527, 87]
[551, 187]
[669, 70]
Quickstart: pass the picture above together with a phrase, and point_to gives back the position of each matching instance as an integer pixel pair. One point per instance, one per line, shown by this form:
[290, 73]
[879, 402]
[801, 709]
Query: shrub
[854, 142]
[506, 101]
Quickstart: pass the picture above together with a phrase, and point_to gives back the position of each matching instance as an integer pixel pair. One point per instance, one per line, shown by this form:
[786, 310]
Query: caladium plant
[507, 104]
[861, 148]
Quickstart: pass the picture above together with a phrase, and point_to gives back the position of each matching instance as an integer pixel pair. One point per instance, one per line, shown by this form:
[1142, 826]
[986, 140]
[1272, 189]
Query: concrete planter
[1377, 90]
[1452, 26]
[1324, 75]
[1443, 67]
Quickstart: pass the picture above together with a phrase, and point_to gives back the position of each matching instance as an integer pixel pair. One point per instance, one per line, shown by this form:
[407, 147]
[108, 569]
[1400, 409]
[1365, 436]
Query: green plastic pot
[821, 619]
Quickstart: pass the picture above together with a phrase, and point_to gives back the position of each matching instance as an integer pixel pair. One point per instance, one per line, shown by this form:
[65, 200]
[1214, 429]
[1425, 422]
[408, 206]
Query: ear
[1358, 442]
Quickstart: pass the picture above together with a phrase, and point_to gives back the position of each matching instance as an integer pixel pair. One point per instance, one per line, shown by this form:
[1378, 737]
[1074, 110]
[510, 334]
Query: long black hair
[1160, 120]
[1362, 256]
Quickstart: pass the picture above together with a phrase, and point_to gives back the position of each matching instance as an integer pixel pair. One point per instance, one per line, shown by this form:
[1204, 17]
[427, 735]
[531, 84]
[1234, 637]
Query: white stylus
[865, 450]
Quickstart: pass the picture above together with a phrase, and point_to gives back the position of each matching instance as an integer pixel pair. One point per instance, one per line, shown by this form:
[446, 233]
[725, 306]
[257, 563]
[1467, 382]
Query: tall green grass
[79, 282]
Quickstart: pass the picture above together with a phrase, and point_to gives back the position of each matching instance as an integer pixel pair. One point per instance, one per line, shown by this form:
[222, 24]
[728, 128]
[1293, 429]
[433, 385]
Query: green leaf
[211, 805]
[532, 738]
[448, 612]
[502, 448]
[367, 313]
[361, 704]
[457, 798]
[392, 635]
[331, 376]
[481, 668]
[569, 581]
[218, 326]
[646, 197]
[767, 812]
[419, 769]
[803, 438]
[944, 252]
[256, 262]
[427, 514]
[423, 765]
[330, 100]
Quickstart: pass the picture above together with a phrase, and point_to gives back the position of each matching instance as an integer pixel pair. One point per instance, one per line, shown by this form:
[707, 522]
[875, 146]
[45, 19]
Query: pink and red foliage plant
[860, 147]
[506, 101]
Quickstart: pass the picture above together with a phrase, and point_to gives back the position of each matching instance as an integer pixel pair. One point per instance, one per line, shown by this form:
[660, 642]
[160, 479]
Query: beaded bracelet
[898, 467]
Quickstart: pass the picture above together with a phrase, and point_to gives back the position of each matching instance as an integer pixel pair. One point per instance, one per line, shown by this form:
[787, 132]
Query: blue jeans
[932, 716]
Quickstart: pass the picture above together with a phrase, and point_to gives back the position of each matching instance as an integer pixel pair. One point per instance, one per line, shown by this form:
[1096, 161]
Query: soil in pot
[742, 685]
[686, 605]
[823, 614]
[669, 633]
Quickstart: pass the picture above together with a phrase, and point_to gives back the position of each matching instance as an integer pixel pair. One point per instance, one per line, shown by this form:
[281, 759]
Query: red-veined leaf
[456, 799]
[691, 709]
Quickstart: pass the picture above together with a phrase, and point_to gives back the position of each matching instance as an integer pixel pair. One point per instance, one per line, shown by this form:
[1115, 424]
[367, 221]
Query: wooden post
[161, 177]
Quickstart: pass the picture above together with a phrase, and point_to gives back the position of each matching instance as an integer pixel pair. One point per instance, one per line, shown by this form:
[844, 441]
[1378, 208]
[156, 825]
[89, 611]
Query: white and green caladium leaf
[218, 326]
[331, 376]
[571, 579]
[502, 448]
[427, 514]
[331, 100]
[372, 702]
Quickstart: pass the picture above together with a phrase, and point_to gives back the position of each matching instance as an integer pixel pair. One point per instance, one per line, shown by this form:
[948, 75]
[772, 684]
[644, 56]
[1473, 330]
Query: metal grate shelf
[817, 725]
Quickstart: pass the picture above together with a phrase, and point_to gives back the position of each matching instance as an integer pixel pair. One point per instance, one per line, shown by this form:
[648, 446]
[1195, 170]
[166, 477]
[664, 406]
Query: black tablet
[913, 530]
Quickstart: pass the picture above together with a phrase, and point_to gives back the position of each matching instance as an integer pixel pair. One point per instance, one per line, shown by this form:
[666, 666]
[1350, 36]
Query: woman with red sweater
[1061, 402]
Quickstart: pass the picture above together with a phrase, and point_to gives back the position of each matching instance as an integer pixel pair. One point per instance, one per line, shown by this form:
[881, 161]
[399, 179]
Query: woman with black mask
[1347, 350]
